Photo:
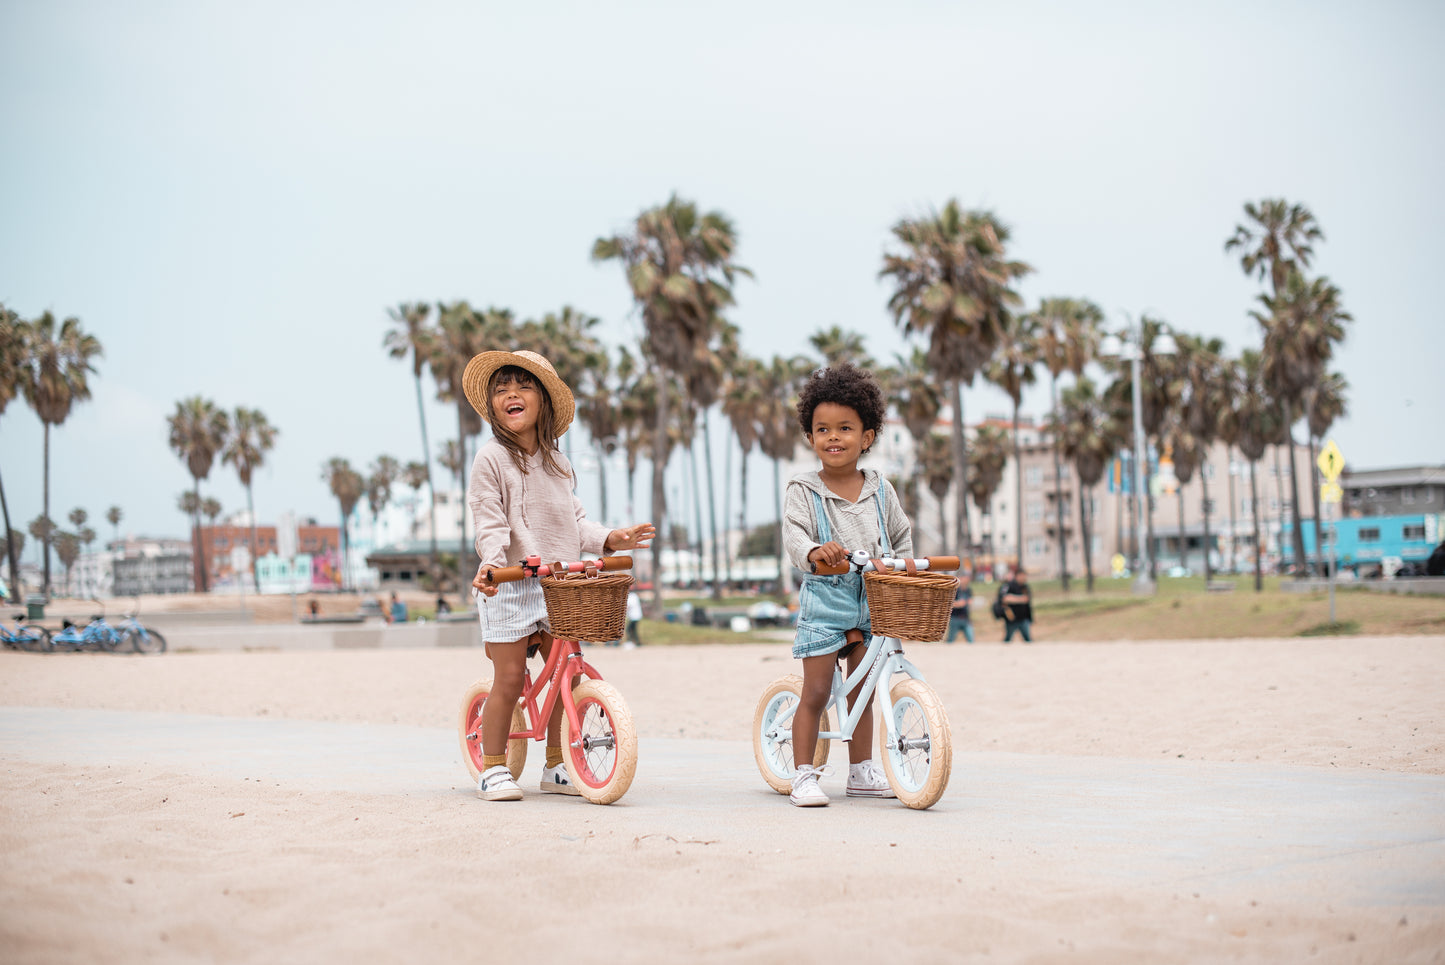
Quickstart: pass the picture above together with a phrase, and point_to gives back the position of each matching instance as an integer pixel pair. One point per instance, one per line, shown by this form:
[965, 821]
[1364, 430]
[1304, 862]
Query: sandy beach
[120, 847]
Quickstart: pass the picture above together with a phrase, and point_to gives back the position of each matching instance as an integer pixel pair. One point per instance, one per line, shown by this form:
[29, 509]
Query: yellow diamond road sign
[1331, 492]
[1331, 461]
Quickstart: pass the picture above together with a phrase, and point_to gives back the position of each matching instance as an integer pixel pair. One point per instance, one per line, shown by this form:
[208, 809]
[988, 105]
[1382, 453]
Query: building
[218, 542]
[141, 566]
[1362, 543]
[1405, 491]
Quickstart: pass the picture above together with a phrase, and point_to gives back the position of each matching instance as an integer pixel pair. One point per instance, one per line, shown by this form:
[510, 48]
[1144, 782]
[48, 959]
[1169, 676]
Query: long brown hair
[546, 422]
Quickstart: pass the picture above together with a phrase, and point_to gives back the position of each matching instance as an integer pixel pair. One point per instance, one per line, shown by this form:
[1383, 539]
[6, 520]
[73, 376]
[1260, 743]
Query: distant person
[522, 504]
[1018, 606]
[314, 608]
[398, 612]
[958, 619]
[443, 606]
[634, 615]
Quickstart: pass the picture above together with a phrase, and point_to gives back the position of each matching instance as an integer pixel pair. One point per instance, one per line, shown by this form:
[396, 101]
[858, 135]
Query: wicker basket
[910, 607]
[591, 608]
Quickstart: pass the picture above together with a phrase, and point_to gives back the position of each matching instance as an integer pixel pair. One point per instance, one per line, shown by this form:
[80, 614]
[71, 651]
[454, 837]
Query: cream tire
[603, 764]
[469, 731]
[775, 757]
[918, 770]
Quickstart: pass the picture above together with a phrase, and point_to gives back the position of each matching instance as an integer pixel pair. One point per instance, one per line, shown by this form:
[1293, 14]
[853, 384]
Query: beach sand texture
[1236, 800]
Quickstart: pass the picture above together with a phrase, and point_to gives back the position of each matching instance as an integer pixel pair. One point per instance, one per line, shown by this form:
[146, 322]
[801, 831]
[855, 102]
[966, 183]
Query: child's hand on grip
[829, 554]
[483, 581]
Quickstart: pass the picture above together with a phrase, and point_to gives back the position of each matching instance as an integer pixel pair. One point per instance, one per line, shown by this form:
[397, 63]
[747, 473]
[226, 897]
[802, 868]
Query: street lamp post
[1130, 347]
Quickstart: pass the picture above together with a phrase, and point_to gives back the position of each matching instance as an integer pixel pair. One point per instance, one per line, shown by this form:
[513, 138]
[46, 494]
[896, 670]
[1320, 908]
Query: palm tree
[249, 439]
[914, 394]
[741, 399]
[43, 528]
[952, 283]
[1253, 421]
[1068, 338]
[1277, 241]
[54, 377]
[936, 458]
[384, 473]
[1012, 369]
[347, 485]
[990, 448]
[413, 335]
[1203, 395]
[598, 409]
[778, 431]
[67, 549]
[114, 516]
[415, 475]
[680, 269]
[13, 334]
[837, 346]
[1090, 436]
[1301, 327]
[198, 431]
[77, 517]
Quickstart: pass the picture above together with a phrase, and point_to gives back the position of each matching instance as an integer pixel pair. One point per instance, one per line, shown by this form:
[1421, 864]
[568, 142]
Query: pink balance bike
[585, 601]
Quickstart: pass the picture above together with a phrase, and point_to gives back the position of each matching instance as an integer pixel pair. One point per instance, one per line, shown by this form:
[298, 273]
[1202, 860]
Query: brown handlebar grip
[506, 574]
[831, 569]
[609, 564]
[942, 563]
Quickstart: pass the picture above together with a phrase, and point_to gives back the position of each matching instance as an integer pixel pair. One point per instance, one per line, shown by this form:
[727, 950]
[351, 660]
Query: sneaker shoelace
[813, 774]
[870, 773]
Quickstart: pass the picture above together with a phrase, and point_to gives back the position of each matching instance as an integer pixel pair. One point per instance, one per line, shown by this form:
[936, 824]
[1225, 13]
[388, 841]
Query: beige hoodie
[536, 514]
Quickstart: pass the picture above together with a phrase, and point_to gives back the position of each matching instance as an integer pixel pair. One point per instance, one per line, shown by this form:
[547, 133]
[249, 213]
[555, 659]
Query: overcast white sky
[229, 196]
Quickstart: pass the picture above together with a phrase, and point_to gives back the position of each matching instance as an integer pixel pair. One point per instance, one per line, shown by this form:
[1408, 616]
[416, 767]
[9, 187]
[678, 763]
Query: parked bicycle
[914, 741]
[141, 639]
[97, 635]
[25, 636]
[586, 600]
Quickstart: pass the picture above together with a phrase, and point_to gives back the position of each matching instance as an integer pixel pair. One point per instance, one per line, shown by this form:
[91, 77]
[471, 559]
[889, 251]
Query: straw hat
[479, 372]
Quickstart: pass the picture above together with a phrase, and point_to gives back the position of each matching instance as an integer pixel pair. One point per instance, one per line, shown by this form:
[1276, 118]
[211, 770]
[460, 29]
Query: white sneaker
[554, 781]
[806, 792]
[496, 784]
[868, 780]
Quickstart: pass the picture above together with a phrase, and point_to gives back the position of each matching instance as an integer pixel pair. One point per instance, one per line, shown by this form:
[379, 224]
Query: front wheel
[469, 730]
[602, 756]
[35, 639]
[144, 640]
[918, 757]
[773, 743]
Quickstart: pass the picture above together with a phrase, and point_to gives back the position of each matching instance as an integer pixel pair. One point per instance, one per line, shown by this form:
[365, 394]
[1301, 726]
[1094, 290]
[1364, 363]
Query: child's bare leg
[817, 685]
[860, 748]
[509, 663]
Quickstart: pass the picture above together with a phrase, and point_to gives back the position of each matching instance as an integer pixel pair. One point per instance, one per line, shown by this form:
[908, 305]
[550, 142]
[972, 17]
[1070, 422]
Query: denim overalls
[830, 606]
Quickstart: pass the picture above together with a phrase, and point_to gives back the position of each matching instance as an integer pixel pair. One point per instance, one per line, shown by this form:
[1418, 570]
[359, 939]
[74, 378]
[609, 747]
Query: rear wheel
[772, 743]
[144, 640]
[469, 731]
[602, 756]
[919, 756]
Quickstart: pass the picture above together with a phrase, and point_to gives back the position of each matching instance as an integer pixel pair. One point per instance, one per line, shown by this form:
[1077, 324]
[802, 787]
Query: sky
[230, 196]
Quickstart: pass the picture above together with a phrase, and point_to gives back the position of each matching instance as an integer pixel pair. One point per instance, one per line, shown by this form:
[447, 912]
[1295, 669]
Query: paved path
[1358, 837]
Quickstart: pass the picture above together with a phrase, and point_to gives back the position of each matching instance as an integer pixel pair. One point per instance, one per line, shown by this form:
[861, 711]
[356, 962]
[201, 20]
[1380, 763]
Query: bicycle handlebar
[533, 566]
[863, 563]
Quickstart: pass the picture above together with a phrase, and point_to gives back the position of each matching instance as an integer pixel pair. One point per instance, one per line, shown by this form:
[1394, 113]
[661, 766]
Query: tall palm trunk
[1298, 536]
[10, 549]
[727, 512]
[964, 539]
[1315, 502]
[1204, 495]
[1060, 507]
[659, 493]
[1018, 492]
[1233, 562]
[696, 490]
[203, 569]
[1150, 545]
[255, 560]
[430, 489]
[743, 495]
[711, 504]
[601, 477]
[1183, 542]
[1254, 510]
[464, 578]
[1085, 531]
[45, 543]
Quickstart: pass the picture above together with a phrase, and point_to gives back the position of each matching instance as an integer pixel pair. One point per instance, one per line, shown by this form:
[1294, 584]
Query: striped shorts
[517, 611]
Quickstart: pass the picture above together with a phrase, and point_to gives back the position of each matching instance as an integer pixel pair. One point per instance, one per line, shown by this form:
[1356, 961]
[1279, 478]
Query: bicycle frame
[564, 664]
[882, 662]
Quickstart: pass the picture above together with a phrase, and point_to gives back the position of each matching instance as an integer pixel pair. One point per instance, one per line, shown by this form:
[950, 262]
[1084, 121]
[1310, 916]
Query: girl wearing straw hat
[522, 503]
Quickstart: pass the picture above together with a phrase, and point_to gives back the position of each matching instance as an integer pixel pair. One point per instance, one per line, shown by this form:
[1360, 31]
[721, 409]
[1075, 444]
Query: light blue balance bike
[915, 744]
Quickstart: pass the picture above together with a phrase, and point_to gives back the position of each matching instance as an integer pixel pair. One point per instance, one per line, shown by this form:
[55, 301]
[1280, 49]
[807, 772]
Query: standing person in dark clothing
[958, 620]
[1018, 607]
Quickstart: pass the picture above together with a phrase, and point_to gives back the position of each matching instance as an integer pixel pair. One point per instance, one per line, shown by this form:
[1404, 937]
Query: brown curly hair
[843, 384]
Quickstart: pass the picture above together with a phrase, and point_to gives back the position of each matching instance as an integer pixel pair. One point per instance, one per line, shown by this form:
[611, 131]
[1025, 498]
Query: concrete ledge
[413, 636]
